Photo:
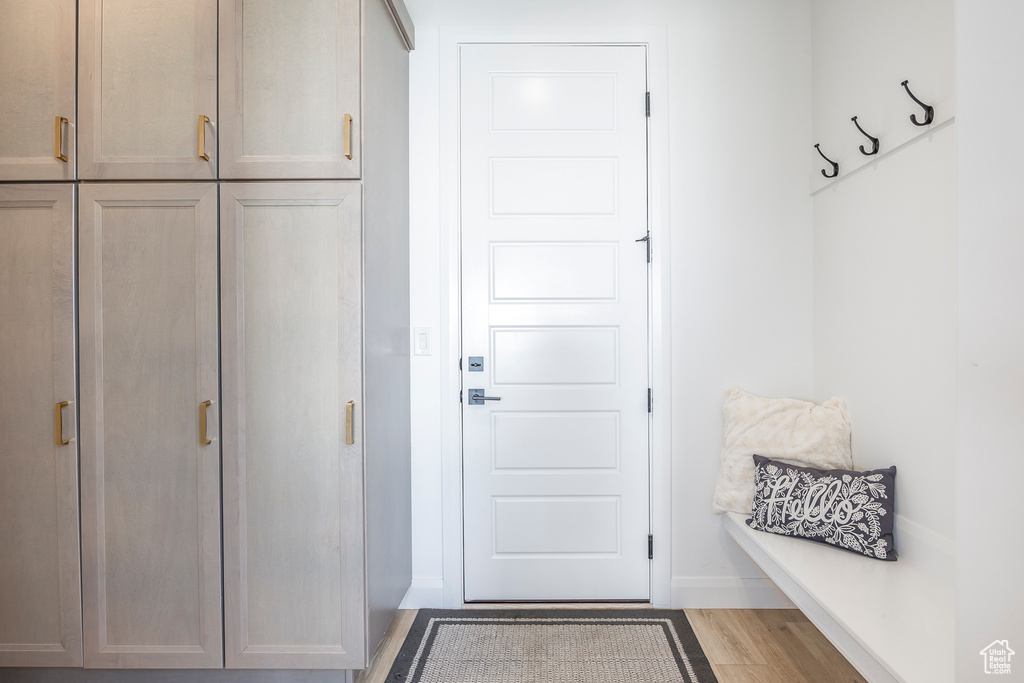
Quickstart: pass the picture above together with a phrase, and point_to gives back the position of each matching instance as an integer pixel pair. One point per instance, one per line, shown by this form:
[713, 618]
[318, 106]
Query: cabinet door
[150, 484]
[293, 487]
[289, 80]
[147, 89]
[40, 600]
[37, 90]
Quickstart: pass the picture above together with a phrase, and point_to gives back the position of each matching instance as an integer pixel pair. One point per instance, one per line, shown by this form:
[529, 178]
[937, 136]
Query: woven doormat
[551, 646]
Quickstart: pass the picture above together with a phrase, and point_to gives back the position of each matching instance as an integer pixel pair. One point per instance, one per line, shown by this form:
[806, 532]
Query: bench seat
[892, 620]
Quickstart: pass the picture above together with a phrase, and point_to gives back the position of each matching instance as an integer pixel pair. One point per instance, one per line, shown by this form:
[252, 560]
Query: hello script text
[820, 502]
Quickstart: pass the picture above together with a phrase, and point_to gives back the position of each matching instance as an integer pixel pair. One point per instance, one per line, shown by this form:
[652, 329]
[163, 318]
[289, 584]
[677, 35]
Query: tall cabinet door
[150, 453]
[147, 89]
[293, 485]
[40, 599]
[37, 90]
[289, 89]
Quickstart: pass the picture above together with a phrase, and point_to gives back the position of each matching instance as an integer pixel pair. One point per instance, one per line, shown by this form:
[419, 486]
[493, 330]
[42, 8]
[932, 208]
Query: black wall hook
[929, 111]
[835, 166]
[874, 140]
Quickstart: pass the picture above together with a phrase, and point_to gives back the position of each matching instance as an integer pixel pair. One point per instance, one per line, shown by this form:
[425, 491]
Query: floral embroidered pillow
[844, 508]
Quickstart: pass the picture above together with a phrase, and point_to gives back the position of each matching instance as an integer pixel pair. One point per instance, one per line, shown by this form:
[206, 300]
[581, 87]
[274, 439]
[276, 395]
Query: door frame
[659, 313]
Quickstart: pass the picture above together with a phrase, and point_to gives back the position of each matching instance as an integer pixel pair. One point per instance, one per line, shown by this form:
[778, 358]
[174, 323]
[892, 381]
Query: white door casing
[554, 299]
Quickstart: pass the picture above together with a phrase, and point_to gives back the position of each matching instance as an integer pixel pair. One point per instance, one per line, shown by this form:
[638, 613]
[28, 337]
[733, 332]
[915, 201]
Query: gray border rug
[551, 646]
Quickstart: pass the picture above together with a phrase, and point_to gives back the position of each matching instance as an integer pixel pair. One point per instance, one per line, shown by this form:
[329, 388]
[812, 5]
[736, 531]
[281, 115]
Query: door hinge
[647, 100]
[650, 546]
[460, 393]
[650, 400]
[646, 239]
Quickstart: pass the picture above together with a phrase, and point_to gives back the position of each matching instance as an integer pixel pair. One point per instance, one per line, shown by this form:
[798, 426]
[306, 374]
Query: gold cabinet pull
[348, 136]
[58, 138]
[202, 423]
[349, 409]
[203, 120]
[58, 423]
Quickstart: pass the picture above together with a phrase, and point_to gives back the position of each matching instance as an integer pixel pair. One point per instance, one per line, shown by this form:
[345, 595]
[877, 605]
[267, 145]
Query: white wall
[741, 263]
[990, 448]
[885, 249]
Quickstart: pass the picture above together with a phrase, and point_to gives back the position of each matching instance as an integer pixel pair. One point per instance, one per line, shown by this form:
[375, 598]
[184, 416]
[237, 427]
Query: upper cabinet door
[40, 599]
[289, 89]
[37, 90]
[148, 89]
[151, 571]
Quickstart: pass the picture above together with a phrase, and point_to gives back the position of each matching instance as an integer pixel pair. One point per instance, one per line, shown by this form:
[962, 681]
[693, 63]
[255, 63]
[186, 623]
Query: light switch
[421, 342]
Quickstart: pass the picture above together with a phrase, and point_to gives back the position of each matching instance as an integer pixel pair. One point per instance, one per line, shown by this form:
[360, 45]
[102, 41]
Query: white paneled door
[554, 319]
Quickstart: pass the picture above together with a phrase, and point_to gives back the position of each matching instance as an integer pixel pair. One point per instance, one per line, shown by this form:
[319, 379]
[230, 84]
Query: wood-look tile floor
[768, 646]
[744, 646]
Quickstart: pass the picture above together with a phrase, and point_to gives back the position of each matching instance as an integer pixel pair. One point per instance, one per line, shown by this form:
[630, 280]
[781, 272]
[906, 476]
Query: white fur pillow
[796, 432]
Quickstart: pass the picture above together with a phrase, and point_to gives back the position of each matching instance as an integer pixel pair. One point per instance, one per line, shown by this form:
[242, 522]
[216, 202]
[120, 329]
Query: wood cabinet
[147, 89]
[40, 599]
[151, 572]
[303, 517]
[290, 89]
[37, 90]
[293, 484]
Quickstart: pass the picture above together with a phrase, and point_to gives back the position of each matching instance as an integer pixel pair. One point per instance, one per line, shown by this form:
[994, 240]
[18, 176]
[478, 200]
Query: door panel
[148, 76]
[293, 540]
[37, 90]
[554, 197]
[150, 481]
[40, 596]
[287, 81]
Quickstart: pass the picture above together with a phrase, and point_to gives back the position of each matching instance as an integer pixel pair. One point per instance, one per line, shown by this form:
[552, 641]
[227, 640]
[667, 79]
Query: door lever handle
[477, 397]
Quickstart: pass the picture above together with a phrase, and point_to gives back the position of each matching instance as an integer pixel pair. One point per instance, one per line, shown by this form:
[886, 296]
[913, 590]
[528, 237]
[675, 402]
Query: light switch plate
[422, 342]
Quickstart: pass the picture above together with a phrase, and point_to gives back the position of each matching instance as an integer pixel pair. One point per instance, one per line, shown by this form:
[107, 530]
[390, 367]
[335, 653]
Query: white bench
[892, 620]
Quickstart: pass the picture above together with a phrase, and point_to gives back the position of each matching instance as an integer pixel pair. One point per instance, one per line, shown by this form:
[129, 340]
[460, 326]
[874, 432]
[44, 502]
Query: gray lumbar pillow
[843, 508]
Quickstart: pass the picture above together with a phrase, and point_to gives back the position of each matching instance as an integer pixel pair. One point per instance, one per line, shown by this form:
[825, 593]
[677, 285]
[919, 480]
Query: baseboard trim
[727, 592]
[424, 594]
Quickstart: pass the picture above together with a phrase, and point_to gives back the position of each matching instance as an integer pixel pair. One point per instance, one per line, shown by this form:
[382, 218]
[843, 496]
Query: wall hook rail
[929, 110]
[874, 140]
[835, 166]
